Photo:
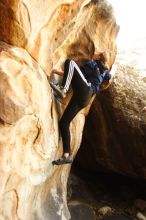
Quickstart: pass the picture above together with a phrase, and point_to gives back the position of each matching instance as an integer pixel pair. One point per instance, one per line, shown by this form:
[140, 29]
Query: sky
[131, 16]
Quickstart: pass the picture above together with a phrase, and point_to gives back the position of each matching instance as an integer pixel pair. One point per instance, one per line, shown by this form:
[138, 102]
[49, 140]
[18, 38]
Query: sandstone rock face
[35, 36]
[118, 124]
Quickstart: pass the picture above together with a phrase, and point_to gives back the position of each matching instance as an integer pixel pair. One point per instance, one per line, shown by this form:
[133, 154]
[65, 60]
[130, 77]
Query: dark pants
[82, 93]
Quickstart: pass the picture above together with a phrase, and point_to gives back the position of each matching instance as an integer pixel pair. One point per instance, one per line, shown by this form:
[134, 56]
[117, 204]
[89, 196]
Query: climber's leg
[72, 73]
[70, 112]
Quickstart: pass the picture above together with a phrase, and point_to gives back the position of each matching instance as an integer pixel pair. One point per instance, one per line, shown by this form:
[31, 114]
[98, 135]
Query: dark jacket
[95, 72]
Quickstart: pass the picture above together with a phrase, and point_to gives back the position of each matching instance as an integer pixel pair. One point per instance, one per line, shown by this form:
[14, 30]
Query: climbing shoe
[63, 160]
[58, 89]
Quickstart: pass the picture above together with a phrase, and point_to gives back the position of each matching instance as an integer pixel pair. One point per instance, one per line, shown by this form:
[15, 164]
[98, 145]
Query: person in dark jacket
[85, 81]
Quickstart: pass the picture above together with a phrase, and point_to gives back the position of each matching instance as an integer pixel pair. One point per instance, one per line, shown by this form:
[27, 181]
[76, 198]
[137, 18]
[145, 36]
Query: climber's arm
[57, 71]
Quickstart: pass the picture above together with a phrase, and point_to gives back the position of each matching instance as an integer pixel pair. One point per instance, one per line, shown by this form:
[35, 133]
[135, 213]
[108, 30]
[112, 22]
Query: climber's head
[100, 56]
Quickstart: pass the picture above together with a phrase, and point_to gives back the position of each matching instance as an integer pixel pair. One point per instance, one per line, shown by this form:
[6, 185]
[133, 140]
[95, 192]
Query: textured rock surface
[118, 140]
[36, 35]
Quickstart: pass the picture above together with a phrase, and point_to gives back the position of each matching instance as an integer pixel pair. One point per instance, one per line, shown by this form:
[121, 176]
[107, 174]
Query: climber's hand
[144, 109]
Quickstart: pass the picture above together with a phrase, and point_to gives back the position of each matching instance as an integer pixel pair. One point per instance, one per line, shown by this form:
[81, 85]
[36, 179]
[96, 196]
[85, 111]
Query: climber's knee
[67, 61]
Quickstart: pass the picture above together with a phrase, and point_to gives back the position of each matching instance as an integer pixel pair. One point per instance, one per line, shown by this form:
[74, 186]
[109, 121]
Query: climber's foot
[60, 91]
[63, 160]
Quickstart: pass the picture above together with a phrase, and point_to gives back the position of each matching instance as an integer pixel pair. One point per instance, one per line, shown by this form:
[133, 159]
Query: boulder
[35, 36]
[115, 129]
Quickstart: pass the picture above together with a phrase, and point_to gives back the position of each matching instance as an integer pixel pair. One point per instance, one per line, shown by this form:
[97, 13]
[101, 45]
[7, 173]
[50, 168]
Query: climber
[85, 81]
[144, 109]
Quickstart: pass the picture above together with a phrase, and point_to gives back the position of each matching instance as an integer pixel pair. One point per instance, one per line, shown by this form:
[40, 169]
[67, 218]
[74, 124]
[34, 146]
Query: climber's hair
[103, 57]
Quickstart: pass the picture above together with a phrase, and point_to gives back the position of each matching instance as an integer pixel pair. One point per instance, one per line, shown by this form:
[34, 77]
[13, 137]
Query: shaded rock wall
[118, 124]
[35, 36]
